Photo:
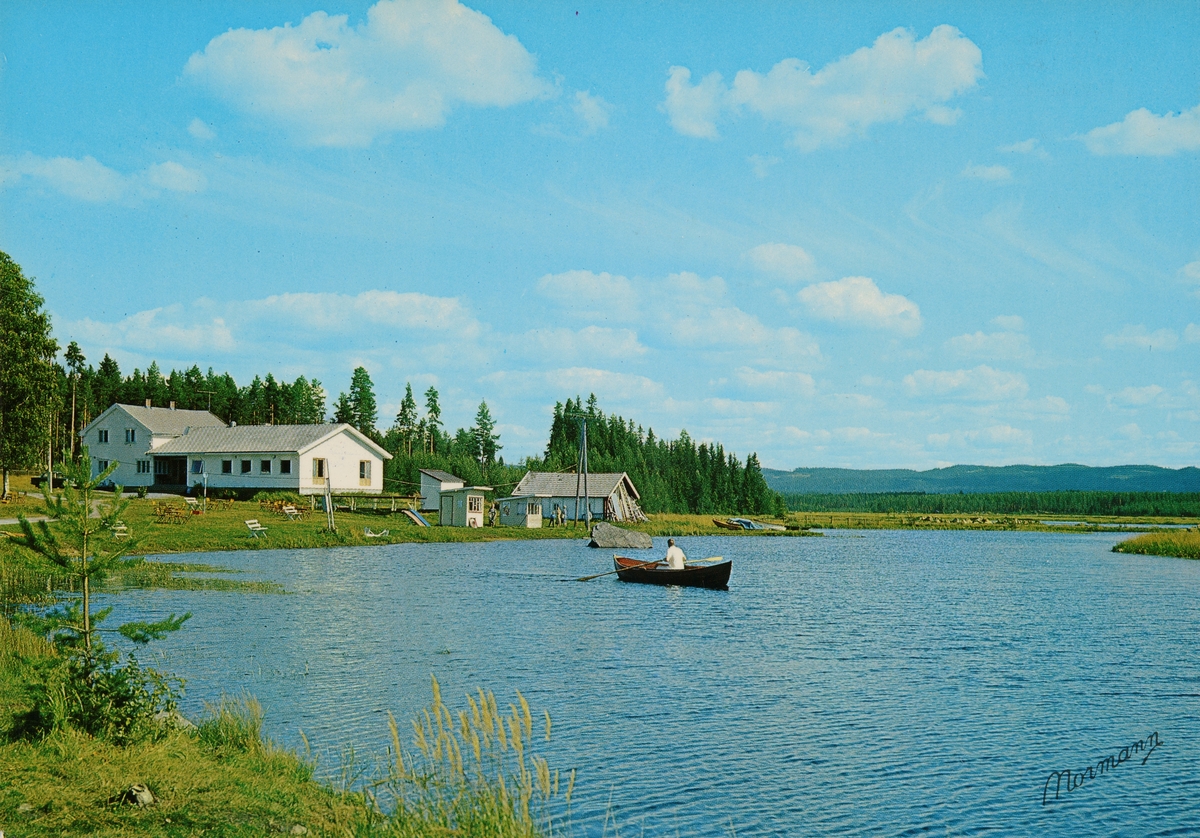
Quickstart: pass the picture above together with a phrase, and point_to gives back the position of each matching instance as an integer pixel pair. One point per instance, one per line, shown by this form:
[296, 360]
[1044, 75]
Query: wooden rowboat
[726, 525]
[656, 573]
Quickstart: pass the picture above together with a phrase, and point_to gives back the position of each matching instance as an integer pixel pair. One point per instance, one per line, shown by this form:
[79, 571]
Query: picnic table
[169, 514]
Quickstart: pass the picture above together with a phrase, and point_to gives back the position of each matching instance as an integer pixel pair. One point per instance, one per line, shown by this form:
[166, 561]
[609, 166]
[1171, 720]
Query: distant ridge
[980, 479]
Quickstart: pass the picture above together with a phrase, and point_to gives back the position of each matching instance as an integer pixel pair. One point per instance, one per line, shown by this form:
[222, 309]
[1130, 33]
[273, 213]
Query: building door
[318, 472]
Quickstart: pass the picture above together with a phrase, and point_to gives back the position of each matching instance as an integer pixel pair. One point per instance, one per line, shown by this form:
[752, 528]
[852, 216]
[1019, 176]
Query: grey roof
[254, 439]
[550, 484]
[441, 476]
[164, 420]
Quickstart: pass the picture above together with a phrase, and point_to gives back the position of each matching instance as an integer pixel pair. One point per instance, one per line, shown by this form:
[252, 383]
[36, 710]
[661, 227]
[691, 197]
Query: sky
[868, 235]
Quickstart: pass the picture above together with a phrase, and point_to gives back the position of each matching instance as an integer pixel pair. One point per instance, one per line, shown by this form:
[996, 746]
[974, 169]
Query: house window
[101, 465]
[318, 471]
[143, 466]
[160, 467]
[245, 466]
[197, 466]
[474, 503]
[264, 466]
[226, 466]
[130, 435]
[364, 472]
[102, 436]
[285, 466]
[534, 509]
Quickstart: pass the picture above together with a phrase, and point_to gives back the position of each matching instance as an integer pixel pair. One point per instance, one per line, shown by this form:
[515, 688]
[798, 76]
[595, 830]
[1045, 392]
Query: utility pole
[581, 472]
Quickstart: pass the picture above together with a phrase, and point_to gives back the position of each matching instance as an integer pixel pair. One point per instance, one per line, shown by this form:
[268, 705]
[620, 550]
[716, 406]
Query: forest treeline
[1139, 504]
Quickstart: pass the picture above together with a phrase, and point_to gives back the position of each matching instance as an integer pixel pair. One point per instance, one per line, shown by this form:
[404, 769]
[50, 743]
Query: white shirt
[675, 558]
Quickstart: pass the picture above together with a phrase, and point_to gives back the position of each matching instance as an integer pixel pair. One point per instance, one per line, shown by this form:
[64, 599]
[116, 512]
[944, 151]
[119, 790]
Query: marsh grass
[475, 773]
[1183, 544]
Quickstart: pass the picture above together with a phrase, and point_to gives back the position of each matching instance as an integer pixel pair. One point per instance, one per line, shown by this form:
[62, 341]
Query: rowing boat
[655, 573]
[727, 525]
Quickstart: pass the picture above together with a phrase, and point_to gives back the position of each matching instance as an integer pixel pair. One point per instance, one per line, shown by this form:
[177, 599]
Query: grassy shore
[1182, 544]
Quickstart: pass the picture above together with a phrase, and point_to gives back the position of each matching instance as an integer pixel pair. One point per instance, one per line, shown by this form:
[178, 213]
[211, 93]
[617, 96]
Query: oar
[618, 570]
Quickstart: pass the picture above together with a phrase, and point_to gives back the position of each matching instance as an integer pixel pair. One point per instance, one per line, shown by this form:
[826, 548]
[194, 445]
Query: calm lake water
[881, 683]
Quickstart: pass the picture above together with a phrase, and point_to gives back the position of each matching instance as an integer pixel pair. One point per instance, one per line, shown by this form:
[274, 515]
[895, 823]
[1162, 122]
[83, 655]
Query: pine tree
[485, 440]
[28, 391]
[406, 419]
[362, 402]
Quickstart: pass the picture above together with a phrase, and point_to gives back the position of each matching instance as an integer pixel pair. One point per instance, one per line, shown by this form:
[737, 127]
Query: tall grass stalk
[479, 772]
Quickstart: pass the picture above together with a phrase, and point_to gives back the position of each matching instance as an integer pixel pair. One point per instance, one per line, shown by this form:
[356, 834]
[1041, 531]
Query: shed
[521, 511]
[462, 507]
[611, 496]
[433, 483]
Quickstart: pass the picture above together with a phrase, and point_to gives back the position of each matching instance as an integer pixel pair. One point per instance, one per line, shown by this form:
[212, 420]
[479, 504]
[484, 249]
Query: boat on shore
[715, 575]
[727, 525]
[746, 524]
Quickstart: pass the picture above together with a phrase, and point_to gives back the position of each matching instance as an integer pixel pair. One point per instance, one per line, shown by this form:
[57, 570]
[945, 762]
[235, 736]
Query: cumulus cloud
[1192, 333]
[787, 260]
[858, 300]
[994, 436]
[1191, 270]
[591, 294]
[346, 313]
[1001, 346]
[781, 380]
[155, 330]
[588, 342]
[593, 110]
[198, 129]
[761, 165]
[1144, 133]
[896, 76]
[982, 384]
[995, 174]
[1009, 322]
[1135, 396]
[87, 179]
[402, 69]
[1030, 146]
[607, 385]
[1137, 337]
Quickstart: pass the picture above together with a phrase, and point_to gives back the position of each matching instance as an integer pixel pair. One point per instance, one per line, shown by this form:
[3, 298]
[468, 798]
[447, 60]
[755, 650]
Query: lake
[877, 682]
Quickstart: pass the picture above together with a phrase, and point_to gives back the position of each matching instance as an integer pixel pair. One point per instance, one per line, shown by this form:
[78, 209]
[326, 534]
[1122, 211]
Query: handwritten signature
[1068, 781]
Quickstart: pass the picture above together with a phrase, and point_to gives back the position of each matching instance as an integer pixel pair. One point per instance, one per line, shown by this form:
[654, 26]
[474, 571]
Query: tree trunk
[5, 470]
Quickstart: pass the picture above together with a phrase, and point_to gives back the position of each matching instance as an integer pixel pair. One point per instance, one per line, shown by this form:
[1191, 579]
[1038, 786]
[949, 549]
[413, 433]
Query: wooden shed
[463, 507]
[433, 483]
[610, 497]
[521, 511]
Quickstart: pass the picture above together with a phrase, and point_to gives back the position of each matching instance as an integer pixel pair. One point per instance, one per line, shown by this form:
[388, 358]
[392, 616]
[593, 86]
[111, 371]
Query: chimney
[172, 405]
[147, 402]
[233, 424]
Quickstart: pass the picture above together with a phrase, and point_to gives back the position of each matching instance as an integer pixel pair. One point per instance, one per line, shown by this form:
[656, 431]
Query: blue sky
[866, 235]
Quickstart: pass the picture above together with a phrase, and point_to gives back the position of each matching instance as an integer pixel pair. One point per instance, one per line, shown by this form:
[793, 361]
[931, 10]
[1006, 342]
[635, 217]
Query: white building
[610, 497]
[166, 451]
[523, 511]
[433, 483]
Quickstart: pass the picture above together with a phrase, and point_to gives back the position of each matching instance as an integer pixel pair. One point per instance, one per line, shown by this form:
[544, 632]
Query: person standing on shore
[675, 558]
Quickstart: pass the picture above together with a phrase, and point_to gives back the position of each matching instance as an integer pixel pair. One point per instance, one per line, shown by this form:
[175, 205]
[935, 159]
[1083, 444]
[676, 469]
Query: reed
[1182, 544]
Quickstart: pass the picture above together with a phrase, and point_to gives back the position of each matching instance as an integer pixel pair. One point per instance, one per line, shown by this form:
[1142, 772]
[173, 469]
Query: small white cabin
[521, 511]
[463, 507]
[433, 483]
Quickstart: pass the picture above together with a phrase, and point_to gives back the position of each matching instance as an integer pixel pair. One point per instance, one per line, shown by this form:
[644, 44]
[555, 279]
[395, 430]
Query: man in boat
[675, 557]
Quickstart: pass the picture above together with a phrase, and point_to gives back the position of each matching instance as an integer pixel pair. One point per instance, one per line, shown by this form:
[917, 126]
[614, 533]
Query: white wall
[127, 454]
[342, 454]
[276, 481]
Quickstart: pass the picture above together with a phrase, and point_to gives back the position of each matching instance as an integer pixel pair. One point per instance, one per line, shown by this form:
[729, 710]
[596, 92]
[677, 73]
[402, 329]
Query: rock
[174, 719]
[138, 794]
[610, 537]
[299, 830]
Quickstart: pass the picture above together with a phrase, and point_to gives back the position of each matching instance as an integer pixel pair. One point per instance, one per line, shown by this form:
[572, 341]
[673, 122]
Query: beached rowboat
[656, 573]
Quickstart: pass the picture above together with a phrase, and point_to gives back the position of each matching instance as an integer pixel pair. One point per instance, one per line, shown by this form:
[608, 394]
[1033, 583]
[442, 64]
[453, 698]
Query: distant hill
[980, 479]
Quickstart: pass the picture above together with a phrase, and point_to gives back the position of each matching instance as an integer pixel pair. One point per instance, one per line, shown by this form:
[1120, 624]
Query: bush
[142, 491]
[278, 497]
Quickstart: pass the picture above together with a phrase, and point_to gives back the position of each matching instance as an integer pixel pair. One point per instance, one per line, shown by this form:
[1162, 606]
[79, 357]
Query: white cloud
[588, 293]
[404, 68]
[1192, 333]
[345, 313]
[89, 180]
[761, 165]
[1030, 146]
[995, 174]
[896, 76]
[1009, 322]
[982, 384]
[155, 330]
[1144, 133]
[786, 260]
[587, 343]
[790, 382]
[994, 436]
[857, 299]
[198, 129]
[593, 110]
[1164, 340]
[1136, 396]
[608, 386]
[1003, 346]
[1191, 270]
[177, 178]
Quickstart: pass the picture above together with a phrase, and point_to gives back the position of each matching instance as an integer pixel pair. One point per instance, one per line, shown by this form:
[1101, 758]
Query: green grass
[1183, 544]
[477, 772]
